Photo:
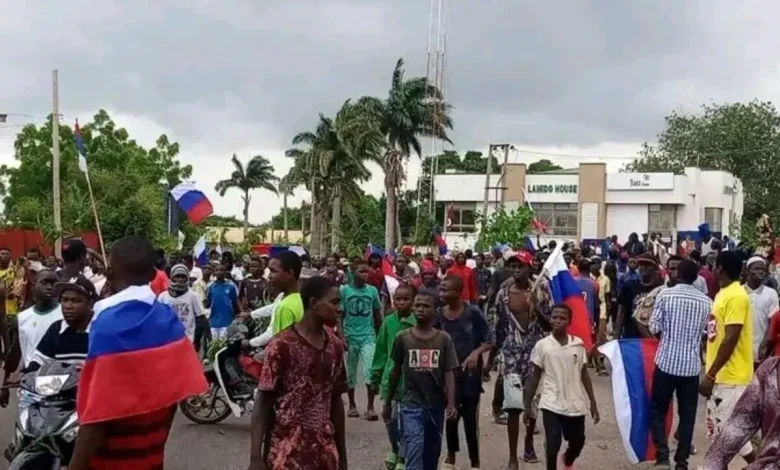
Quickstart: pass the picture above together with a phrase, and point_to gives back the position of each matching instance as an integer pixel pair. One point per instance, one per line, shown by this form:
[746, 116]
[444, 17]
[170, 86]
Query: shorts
[360, 351]
[719, 407]
[219, 333]
[513, 395]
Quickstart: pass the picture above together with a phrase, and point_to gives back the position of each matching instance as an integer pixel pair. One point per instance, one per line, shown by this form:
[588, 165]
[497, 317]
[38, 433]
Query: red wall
[19, 241]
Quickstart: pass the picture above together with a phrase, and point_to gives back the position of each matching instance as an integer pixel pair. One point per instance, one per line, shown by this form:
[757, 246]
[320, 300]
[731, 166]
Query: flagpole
[97, 220]
[55, 164]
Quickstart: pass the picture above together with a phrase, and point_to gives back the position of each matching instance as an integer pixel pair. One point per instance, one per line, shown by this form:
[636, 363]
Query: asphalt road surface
[226, 446]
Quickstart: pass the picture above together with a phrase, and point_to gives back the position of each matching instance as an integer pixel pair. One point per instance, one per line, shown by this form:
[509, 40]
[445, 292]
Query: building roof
[564, 171]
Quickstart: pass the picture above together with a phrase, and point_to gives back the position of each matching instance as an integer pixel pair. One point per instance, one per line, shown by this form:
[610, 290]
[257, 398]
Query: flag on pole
[633, 366]
[438, 238]
[82, 149]
[537, 224]
[192, 201]
[564, 290]
[199, 252]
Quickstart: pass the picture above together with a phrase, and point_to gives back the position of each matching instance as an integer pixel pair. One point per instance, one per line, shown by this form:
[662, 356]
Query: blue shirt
[358, 305]
[222, 296]
[590, 293]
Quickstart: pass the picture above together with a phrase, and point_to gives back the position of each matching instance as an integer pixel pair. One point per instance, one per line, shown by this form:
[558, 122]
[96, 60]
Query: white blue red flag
[82, 149]
[200, 252]
[192, 201]
[633, 366]
[438, 238]
[564, 290]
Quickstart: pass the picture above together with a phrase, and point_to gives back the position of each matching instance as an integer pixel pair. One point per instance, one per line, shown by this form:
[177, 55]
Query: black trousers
[665, 386]
[468, 409]
[556, 429]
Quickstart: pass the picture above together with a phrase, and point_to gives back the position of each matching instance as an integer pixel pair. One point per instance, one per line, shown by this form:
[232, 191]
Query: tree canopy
[542, 166]
[258, 174]
[741, 138]
[130, 182]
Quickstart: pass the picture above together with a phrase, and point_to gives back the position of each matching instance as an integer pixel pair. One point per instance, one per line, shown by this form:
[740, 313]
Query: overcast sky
[590, 78]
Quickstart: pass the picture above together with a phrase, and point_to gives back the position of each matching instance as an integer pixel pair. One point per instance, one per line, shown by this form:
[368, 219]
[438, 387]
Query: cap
[79, 284]
[646, 259]
[73, 249]
[523, 256]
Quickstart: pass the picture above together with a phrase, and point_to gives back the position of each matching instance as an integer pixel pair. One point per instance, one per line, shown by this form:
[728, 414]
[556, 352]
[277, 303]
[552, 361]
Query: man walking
[679, 316]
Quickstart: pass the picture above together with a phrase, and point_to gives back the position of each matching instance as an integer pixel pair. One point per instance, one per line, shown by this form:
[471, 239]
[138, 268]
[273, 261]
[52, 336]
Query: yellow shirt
[731, 307]
[8, 277]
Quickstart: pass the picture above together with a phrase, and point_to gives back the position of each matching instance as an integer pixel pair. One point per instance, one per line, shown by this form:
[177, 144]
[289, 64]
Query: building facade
[587, 203]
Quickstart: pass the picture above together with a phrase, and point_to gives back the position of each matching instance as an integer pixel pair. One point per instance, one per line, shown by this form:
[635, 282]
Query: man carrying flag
[523, 318]
[134, 341]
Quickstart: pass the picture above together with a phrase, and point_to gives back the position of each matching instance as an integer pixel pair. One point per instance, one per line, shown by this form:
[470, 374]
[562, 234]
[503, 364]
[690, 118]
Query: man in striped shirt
[679, 316]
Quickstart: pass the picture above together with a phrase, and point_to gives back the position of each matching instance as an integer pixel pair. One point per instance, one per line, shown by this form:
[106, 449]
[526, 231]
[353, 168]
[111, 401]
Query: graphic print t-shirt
[357, 306]
[637, 299]
[187, 307]
[423, 363]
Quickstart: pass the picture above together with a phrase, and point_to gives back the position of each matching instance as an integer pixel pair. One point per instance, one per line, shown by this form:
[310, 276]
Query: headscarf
[756, 259]
[176, 288]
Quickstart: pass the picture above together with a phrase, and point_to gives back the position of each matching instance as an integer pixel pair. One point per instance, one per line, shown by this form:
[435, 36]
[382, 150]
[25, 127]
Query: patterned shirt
[758, 409]
[680, 315]
[306, 380]
[515, 344]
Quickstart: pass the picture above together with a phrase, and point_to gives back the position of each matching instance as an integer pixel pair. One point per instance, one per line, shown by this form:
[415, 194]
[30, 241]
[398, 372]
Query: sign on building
[640, 181]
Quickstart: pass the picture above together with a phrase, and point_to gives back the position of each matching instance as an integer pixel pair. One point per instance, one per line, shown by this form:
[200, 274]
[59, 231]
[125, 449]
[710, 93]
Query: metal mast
[434, 73]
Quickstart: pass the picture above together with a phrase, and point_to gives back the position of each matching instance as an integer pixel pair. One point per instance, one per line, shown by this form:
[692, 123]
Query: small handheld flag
[193, 202]
[200, 253]
[440, 241]
[564, 290]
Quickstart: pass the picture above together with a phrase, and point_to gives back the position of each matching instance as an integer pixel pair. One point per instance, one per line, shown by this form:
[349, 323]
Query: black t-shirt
[423, 363]
[631, 295]
[468, 332]
[61, 343]
[253, 290]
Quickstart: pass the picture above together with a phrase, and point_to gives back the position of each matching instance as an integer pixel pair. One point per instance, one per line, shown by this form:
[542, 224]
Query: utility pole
[503, 173]
[55, 165]
[487, 180]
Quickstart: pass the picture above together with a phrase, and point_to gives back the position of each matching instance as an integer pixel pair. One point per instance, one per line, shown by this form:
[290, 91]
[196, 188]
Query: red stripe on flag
[649, 349]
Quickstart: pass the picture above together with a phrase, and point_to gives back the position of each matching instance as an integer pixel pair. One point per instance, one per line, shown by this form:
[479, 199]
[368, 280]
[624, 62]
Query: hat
[79, 284]
[73, 249]
[646, 259]
[180, 269]
[523, 256]
[756, 259]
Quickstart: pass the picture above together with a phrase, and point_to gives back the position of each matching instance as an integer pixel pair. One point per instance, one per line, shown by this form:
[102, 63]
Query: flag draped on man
[139, 361]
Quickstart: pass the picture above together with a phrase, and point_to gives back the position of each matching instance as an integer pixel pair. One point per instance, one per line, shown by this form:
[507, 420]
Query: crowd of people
[427, 343]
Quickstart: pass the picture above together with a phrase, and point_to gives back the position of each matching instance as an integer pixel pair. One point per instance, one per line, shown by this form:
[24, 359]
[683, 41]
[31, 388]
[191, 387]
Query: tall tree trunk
[246, 214]
[313, 220]
[284, 205]
[335, 225]
[390, 211]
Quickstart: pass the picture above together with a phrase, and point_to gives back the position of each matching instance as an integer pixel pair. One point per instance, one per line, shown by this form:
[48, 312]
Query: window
[463, 218]
[661, 218]
[714, 217]
[560, 219]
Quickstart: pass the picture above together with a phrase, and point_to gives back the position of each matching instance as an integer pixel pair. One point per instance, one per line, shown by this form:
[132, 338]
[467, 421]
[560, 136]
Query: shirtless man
[523, 318]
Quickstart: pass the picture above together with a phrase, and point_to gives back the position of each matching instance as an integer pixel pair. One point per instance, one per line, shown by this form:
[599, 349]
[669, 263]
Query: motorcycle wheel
[217, 407]
[35, 460]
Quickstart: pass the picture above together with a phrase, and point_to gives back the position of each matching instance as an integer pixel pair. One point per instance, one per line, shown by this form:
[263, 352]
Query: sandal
[529, 456]
[500, 418]
[371, 416]
[353, 413]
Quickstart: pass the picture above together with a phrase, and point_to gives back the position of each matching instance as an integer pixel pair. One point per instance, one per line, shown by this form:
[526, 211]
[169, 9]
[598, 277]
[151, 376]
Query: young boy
[183, 300]
[252, 291]
[470, 334]
[222, 299]
[361, 318]
[425, 358]
[395, 322]
[299, 414]
[559, 362]
[200, 287]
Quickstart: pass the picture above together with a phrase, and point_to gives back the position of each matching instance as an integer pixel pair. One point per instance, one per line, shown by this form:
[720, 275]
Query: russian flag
[200, 252]
[440, 241]
[633, 365]
[564, 290]
[192, 201]
[139, 359]
[82, 149]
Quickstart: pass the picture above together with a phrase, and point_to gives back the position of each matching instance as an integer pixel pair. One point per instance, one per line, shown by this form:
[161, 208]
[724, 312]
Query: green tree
[542, 166]
[504, 227]
[258, 174]
[741, 138]
[129, 182]
[223, 221]
[286, 188]
[413, 109]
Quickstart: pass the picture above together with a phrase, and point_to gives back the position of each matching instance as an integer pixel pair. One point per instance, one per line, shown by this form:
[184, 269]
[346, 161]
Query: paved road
[226, 446]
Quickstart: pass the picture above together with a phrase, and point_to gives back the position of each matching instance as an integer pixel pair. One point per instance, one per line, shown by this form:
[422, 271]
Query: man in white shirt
[33, 324]
[764, 301]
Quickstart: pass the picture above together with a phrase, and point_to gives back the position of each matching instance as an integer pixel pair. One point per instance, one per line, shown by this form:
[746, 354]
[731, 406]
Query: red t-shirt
[135, 443]
[160, 282]
[466, 274]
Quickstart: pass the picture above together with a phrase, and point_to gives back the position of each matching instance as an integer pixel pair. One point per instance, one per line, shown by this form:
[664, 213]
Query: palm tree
[258, 174]
[286, 188]
[413, 109]
[335, 164]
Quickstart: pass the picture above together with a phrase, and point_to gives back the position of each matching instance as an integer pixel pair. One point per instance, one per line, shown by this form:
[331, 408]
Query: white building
[587, 203]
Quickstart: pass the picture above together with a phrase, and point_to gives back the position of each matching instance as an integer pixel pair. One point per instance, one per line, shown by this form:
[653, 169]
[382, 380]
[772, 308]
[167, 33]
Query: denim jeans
[422, 429]
[394, 432]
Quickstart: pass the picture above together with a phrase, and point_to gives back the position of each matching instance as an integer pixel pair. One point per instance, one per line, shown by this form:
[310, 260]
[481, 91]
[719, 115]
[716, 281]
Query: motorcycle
[226, 396]
[45, 432]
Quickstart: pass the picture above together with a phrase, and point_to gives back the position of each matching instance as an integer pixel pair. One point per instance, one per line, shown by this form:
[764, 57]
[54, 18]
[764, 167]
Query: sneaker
[662, 465]
[529, 456]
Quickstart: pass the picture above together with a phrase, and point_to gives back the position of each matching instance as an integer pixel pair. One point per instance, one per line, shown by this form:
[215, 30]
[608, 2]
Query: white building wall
[623, 219]
[464, 188]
